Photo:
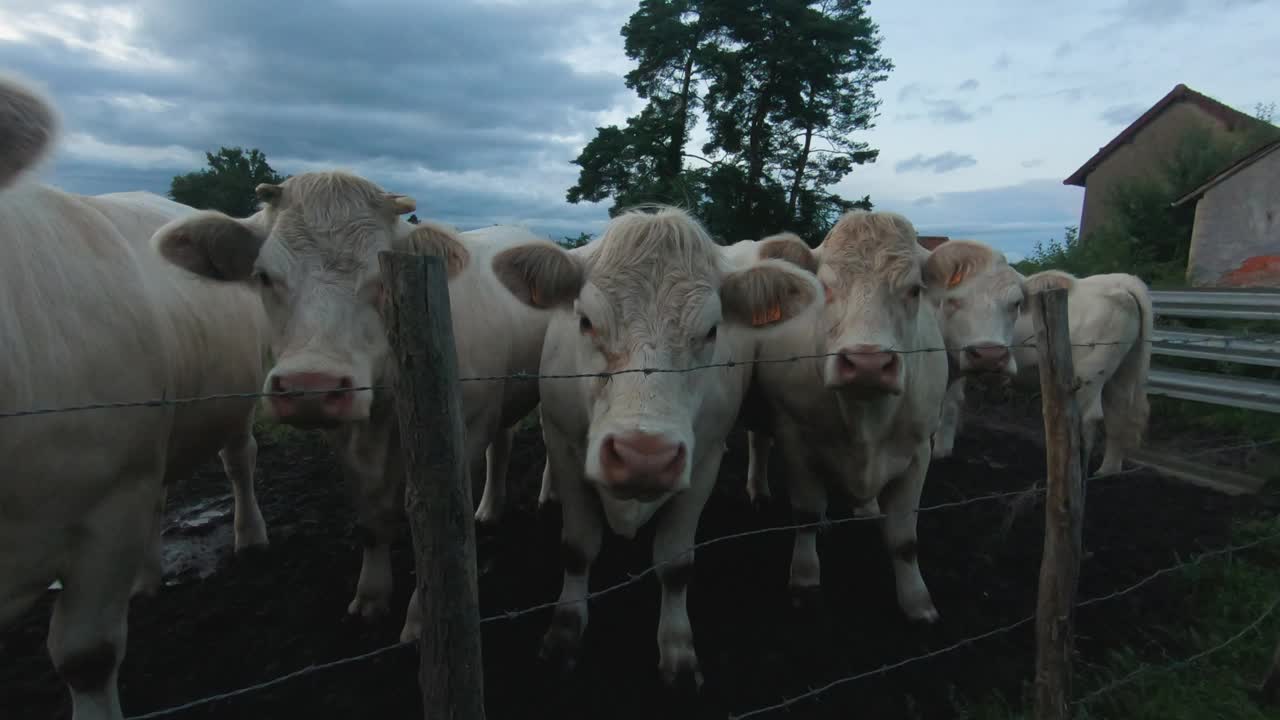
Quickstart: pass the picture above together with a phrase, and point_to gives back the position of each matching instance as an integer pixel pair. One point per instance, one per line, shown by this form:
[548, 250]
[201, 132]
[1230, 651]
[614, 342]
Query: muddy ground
[263, 615]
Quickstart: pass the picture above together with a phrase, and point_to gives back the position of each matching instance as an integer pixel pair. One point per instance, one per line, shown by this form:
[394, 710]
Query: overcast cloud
[477, 107]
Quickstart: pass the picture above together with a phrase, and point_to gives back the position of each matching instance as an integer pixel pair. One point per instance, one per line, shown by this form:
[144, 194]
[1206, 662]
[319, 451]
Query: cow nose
[987, 356]
[327, 398]
[867, 366]
[640, 464]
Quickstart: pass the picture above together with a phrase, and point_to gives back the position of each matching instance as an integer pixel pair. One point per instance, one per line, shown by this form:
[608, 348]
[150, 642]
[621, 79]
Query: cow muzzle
[641, 466]
[988, 358]
[324, 399]
[866, 367]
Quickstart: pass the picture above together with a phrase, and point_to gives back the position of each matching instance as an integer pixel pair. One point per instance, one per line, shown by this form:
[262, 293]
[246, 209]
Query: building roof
[931, 241]
[1228, 115]
[1230, 170]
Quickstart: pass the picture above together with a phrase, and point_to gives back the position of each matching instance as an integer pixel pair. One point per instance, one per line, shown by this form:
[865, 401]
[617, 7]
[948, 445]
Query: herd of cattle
[128, 296]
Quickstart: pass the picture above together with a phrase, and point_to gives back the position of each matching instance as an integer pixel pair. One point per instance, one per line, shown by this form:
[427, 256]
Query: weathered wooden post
[428, 402]
[1064, 507]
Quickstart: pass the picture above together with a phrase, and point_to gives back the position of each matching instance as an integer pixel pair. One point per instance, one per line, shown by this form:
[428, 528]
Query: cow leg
[758, 446]
[808, 506]
[1090, 424]
[239, 458]
[497, 460]
[580, 539]
[372, 469]
[151, 571]
[548, 491]
[944, 438]
[89, 626]
[900, 499]
[673, 544]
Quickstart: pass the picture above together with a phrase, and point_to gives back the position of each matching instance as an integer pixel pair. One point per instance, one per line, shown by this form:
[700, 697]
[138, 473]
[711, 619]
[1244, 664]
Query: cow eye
[262, 278]
[915, 291]
[584, 325]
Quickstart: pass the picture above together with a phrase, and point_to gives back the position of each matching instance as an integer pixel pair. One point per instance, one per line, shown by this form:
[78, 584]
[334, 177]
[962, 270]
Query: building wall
[1236, 237]
[1142, 157]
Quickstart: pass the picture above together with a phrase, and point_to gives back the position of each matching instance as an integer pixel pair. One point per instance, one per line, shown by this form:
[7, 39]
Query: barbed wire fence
[441, 376]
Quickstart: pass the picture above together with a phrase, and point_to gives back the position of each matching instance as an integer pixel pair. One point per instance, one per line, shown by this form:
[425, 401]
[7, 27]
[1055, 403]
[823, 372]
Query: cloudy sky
[476, 107]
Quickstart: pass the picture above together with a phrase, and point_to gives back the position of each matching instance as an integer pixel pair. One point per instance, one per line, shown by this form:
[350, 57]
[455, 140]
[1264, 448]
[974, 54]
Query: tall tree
[782, 85]
[227, 184]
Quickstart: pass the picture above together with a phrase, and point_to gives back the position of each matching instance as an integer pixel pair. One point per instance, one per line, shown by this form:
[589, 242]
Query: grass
[1220, 598]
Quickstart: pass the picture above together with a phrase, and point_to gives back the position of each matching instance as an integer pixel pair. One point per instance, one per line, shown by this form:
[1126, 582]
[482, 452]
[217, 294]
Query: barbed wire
[815, 692]
[821, 525]
[1140, 672]
[529, 377]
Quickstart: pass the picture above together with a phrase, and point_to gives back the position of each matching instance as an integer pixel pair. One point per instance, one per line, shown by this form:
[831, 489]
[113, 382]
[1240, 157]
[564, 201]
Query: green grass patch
[1217, 600]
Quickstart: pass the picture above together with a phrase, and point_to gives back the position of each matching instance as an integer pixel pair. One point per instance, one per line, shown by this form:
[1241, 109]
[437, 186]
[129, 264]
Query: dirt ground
[262, 615]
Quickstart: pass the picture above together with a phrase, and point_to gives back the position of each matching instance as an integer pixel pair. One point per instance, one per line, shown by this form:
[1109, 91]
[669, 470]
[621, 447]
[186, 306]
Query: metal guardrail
[1243, 304]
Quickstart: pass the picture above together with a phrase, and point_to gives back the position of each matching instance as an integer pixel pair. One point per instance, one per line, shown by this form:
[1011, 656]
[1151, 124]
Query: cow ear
[400, 204]
[428, 238]
[790, 248]
[211, 244]
[768, 293]
[540, 275]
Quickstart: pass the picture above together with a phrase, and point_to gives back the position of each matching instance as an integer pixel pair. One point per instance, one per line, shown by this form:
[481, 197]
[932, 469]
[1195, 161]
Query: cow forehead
[344, 246]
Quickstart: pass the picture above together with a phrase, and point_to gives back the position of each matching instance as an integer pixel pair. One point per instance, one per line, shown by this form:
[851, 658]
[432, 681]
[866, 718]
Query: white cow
[311, 253]
[88, 316]
[653, 291]
[862, 413]
[1110, 322]
[979, 297]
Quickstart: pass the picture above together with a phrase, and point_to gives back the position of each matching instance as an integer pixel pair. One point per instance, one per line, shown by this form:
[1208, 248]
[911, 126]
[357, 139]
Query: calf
[311, 254]
[653, 291]
[979, 297]
[861, 412]
[101, 321]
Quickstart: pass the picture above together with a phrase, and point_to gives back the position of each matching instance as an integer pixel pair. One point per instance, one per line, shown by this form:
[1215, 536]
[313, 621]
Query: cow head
[870, 267]
[654, 292]
[312, 254]
[979, 296]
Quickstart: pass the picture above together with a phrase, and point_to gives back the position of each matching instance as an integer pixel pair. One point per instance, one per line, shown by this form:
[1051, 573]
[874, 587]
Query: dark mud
[224, 622]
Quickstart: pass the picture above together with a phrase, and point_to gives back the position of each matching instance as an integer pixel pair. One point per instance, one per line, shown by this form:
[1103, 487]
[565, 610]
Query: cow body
[311, 255]
[859, 416]
[979, 298]
[653, 291]
[984, 306]
[89, 315]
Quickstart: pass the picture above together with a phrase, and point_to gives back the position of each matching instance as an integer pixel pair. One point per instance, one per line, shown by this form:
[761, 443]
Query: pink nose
[868, 366]
[987, 356]
[640, 464]
[327, 398]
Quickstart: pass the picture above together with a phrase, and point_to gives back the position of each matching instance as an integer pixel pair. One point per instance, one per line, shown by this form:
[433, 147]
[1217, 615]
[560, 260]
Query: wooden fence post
[438, 491]
[1064, 507]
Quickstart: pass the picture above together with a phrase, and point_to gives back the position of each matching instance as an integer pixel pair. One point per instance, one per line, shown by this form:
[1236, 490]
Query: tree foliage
[227, 184]
[781, 87]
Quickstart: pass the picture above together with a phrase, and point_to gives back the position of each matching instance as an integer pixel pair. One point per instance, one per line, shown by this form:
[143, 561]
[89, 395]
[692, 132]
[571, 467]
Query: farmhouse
[1235, 240]
[931, 241]
[1140, 148]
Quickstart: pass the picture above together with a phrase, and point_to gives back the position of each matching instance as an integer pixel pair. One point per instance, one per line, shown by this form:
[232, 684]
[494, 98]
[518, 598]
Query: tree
[570, 242]
[227, 184]
[782, 85]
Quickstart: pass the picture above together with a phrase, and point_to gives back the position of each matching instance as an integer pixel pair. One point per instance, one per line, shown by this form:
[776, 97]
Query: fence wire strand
[529, 377]
[821, 525]
[815, 692]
